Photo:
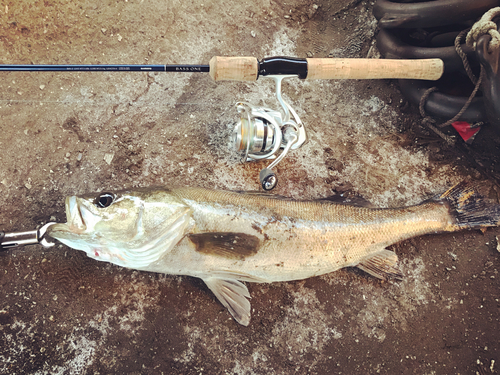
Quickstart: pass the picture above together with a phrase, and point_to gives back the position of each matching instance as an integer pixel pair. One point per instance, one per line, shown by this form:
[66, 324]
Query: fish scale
[333, 235]
[226, 238]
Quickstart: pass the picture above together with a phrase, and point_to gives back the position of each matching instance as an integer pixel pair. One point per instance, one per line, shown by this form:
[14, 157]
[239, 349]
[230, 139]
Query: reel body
[261, 132]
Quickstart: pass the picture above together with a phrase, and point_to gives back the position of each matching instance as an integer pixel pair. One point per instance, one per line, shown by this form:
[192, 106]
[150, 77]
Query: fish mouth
[74, 216]
[75, 222]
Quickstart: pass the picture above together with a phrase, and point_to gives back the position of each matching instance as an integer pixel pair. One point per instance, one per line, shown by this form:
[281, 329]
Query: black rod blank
[106, 68]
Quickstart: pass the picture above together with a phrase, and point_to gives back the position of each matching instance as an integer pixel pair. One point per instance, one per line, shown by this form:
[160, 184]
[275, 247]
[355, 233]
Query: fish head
[128, 228]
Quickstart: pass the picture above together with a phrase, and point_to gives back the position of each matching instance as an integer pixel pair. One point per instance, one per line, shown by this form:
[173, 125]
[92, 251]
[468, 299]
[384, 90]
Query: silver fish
[225, 238]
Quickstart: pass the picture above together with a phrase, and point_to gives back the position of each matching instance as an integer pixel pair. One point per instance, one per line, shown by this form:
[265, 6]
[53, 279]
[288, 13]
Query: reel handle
[249, 68]
[268, 179]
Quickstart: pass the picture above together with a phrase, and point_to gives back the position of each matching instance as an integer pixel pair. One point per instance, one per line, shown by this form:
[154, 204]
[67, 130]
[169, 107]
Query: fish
[228, 238]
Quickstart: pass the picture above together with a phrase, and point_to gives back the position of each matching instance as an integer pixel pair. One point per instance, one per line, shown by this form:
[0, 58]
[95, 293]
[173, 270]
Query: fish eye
[104, 200]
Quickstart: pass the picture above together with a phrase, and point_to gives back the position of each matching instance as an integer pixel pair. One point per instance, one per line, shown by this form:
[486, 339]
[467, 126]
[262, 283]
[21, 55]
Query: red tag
[465, 130]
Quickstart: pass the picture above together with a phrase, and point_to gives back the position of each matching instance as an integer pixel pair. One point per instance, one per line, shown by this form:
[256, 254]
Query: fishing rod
[261, 131]
[249, 68]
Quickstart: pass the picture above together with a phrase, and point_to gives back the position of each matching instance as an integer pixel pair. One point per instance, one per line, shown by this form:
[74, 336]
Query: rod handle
[234, 68]
[337, 68]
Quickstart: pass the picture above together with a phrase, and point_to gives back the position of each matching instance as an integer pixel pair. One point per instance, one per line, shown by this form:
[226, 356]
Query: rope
[423, 100]
[429, 121]
[482, 27]
[463, 55]
[485, 26]
[467, 103]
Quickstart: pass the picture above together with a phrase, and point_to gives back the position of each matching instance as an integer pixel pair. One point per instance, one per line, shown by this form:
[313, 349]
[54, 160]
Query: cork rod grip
[234, 68]
[429, 69]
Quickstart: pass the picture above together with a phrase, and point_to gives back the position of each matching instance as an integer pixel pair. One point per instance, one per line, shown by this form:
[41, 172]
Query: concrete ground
[72, 133]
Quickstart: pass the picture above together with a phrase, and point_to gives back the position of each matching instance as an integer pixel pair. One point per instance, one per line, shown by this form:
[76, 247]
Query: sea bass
[226, 238]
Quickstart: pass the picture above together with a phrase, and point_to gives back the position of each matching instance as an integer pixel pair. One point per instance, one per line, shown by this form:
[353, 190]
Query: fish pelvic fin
[382, 265]
[469, 208]
[233, 295]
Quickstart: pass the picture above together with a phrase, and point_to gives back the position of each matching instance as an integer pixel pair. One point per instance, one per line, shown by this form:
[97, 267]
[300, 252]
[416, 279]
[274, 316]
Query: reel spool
[262, 131]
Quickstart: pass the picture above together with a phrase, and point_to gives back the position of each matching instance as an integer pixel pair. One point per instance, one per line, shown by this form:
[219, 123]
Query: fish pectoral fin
[233, 295]
[226, 244]
[238, 275]
[382, 264]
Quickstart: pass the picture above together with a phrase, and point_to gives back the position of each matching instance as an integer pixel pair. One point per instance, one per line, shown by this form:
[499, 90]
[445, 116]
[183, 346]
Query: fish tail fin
[469, 208]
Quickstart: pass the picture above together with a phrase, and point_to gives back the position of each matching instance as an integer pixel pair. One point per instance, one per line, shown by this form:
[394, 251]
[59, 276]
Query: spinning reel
[262, 131]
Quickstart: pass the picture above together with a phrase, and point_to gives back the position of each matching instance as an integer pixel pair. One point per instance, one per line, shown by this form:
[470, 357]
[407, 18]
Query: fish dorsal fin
[226, 244]
[233, 294]
[260, 194]
[352, 200]
[348, 199]
[382, 265]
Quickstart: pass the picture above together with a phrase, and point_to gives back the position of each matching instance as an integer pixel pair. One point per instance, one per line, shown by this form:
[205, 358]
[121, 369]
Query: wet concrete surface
[73, 133]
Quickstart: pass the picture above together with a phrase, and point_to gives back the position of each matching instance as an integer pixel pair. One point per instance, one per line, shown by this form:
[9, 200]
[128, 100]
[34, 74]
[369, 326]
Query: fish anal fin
[226, 244]
[382, 264]
[233, 295]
